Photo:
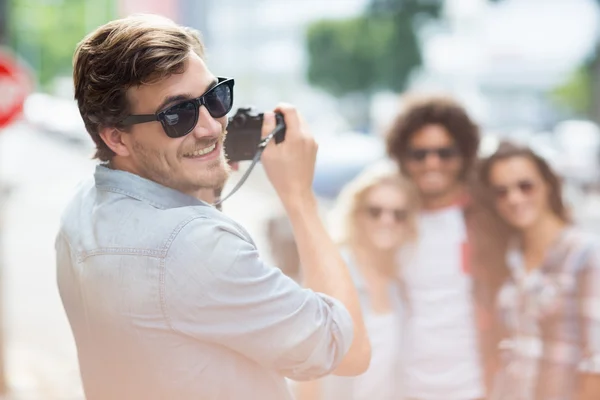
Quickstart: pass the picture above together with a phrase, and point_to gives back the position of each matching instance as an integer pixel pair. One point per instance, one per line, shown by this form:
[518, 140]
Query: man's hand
[290, 165]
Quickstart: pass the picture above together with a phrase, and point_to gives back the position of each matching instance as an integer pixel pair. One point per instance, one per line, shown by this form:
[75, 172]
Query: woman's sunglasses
[180, 119]
[375, 212]
[443, 153]
[526, 187]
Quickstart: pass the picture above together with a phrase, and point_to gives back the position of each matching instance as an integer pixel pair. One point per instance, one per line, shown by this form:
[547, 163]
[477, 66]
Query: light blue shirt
[168, 298]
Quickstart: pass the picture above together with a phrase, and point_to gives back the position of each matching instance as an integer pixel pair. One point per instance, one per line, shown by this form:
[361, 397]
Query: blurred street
[42, 172]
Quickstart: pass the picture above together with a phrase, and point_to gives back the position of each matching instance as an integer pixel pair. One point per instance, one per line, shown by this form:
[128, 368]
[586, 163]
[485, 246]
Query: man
[451, 274]
[166, 296]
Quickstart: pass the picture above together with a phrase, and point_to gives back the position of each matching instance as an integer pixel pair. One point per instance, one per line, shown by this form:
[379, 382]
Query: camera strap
[261, 147]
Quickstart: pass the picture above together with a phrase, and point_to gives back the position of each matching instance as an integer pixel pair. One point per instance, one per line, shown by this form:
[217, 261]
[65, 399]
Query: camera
[244, 134]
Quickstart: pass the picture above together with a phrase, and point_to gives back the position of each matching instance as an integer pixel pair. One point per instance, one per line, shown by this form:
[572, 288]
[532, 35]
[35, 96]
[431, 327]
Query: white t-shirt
[441, 350]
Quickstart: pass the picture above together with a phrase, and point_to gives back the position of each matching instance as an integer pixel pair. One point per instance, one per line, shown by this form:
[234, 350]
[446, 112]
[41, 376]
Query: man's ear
[115, 140]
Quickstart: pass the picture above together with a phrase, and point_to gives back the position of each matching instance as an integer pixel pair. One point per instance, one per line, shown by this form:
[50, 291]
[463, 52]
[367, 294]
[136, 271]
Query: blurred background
[528, 70]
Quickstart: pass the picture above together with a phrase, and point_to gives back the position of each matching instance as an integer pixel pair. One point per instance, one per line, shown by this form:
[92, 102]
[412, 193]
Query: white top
[379, 380]
[382, 380]
[441, 350]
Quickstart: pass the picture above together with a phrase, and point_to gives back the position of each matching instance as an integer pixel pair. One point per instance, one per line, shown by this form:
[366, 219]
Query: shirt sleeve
[589, 301]
[218, 289]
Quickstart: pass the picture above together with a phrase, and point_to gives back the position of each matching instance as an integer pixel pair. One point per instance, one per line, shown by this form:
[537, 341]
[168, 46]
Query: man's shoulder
[96, 219]
[202, 232]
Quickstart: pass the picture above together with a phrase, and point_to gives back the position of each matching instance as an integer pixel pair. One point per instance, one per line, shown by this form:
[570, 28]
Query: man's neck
[446, 199]
[207, 195]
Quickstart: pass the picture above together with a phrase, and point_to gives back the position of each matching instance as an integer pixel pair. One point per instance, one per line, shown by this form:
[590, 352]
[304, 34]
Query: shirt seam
[163, 263]
[132, 251]
[64, 237]
[132, 195]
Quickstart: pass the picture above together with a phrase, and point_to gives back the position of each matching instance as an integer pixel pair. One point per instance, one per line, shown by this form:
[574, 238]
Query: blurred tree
[376, 50]
[3, 21]
[46, 32]
[575, 93]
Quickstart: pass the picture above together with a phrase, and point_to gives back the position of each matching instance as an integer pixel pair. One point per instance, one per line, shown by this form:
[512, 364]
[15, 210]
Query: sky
[533, 39]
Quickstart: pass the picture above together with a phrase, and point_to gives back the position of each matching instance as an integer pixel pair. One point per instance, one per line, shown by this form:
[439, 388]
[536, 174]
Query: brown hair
[508, 150]
[121, 54]
[434, 110]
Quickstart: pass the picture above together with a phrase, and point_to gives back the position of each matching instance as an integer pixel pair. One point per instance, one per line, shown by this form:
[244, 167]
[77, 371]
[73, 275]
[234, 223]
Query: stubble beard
[212, 176]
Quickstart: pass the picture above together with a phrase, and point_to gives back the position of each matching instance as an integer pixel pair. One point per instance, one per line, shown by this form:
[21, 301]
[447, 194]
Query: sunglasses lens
[219, 100]
[447, 153]
[526, 187]
[374, 212]
[418, 154]
[501, 192]
[400, 215]
[180, 119]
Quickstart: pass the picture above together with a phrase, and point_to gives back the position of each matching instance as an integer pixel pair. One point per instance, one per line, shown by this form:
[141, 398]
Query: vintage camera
[244, 134]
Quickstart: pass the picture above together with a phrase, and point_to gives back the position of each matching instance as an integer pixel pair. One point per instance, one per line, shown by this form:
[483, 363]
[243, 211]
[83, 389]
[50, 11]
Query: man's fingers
[290, 116]
[268, 123]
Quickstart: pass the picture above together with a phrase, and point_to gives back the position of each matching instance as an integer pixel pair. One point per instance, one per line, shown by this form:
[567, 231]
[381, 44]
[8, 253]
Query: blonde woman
[374, 216]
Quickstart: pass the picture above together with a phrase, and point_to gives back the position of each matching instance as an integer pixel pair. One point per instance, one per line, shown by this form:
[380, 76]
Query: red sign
[15, 85]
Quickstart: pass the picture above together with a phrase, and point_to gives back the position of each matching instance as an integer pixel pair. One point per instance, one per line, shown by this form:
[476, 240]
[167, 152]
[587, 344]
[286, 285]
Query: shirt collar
[134, 186]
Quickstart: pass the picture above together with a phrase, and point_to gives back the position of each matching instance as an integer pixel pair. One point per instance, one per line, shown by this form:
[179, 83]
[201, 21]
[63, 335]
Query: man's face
[178, 163]
[433, 161]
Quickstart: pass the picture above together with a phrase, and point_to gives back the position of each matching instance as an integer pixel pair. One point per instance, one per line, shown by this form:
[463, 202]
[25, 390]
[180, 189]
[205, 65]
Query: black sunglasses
[443, 153]
[375, 212]
[526, 187]
[180, 119]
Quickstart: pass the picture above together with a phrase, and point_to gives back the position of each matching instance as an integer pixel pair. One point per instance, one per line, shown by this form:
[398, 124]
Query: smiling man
[167, 297]
[451, 276]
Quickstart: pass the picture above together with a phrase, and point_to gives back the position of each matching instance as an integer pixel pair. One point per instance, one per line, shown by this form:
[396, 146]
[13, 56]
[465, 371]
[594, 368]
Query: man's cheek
[457, 169]
[411, 170]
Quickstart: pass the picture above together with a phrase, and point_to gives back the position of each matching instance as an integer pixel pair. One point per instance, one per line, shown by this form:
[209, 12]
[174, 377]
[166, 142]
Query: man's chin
[434, 190]
[215, 179]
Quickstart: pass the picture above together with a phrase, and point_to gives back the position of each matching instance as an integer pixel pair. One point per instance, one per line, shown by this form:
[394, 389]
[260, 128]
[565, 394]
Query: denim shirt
[168, 298]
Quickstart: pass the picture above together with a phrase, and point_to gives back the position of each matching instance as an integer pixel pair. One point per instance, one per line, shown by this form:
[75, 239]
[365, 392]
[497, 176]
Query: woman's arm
[590, 387]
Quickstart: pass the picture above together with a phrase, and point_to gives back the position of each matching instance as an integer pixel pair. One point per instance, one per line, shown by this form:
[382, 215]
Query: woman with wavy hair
[549, 306]
[373, 218]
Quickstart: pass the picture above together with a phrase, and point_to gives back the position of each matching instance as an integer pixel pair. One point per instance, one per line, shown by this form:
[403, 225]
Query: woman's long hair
[344, 216]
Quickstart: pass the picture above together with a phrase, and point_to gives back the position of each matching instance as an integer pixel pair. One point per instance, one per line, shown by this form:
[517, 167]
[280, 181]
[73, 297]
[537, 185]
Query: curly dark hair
[434, 110]
[121, 54]
[507, 150]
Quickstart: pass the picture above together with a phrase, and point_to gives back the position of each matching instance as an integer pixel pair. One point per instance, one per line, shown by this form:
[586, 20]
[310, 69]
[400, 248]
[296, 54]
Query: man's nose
[206, 125]
[387, 218]
[432, 161]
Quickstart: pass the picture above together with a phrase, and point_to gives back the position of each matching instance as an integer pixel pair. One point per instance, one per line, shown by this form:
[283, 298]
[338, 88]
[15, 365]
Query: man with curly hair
[449, 285]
